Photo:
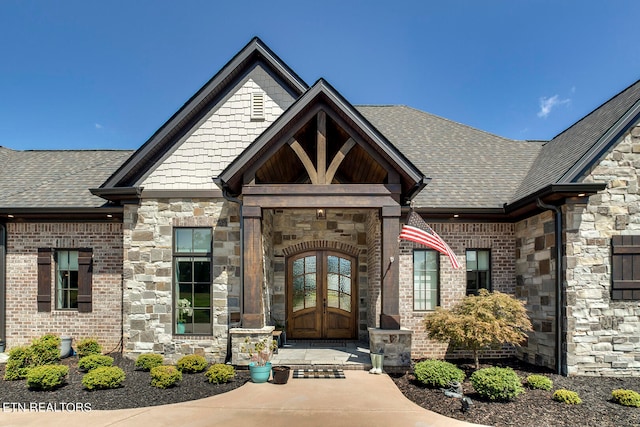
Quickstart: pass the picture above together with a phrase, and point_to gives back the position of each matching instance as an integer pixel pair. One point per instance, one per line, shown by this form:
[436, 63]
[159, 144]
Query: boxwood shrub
[437, 373]
[626, 397]
[18, 364]
[87, 347]
[165, 376]
[191, 364]
[148, 361]
[497, 383]
[220, 373]
[46, 377]
[103, 377]
[89, 363]
[567, 396]
[44, 350]
[539, 382]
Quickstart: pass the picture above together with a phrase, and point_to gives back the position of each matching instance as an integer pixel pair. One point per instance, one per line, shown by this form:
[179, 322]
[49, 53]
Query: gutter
[560, 367]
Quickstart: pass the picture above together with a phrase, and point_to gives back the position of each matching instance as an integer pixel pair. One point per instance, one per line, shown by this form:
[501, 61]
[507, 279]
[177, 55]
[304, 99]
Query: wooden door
[321, 295]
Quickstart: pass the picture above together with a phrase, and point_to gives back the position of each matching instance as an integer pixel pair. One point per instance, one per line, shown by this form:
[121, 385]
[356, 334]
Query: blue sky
[107, 74]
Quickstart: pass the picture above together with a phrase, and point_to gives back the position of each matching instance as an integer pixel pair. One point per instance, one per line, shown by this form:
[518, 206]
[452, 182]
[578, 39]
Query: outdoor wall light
[321, 214]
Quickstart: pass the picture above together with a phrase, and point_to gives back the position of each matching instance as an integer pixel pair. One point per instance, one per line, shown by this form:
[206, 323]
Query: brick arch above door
[321, 244]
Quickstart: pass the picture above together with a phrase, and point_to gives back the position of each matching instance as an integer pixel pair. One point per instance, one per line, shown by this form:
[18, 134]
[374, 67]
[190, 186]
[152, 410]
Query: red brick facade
[24, 322]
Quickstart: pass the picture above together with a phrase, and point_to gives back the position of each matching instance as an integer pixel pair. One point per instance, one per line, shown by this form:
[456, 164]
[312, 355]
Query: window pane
[298, 267]
[202, 271]
[73, 260]
[73, 280]
[332, 282]
[472, 260]
[483, 260]
[201, 295]
[333, 299]
[425, 280]
[345, 302]
[298, 300]
[184, 240]
[345, 285]
[185, 292]
[310, 264]
[333, 263]
[202, 240]
[73, 299]
[202, 316]
[184, 271]
[345, 267]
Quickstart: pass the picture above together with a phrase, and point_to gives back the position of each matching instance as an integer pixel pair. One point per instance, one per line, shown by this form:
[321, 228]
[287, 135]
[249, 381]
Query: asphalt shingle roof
[37, 179]
[468, 168]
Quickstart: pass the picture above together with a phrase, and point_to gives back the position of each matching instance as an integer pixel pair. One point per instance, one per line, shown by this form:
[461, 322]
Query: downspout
[560, 368]
[3, 290]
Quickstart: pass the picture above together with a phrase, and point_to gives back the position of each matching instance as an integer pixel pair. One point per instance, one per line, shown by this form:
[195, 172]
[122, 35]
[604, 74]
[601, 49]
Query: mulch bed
[534, 407]
[136, 391]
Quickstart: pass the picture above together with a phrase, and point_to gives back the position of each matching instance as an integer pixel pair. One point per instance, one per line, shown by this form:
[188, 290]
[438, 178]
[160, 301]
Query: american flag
[416, 230]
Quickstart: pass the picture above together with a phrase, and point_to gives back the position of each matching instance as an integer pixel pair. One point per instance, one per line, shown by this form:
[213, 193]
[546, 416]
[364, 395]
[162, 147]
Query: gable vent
[257, 106]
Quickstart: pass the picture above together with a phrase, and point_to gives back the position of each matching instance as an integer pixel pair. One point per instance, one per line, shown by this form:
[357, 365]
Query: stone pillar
[253, 309]
[390, 316]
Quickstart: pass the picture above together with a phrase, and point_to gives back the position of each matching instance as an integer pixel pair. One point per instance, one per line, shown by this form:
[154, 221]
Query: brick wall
[24, 322]
[497, 237]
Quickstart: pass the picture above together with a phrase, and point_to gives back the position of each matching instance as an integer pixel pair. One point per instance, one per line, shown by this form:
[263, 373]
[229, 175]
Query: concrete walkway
[361, 399]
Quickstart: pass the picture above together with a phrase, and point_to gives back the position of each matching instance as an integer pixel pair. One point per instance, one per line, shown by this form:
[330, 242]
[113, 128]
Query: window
[478, 270]
[625, 267]
[73, 279]
[192, 275]
[66, 280]
[425, 279]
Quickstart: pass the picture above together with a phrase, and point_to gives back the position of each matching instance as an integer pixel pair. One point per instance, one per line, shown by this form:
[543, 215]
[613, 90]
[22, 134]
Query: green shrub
[89, 363]
[626, 397]
[18, 363]
[191, 364]
[148, 361]
[567, 396]
[497, 383]
[165, 376]
[44, 350]
[46, 377]
[220, 373]
[103, 377]
[437, 373]
[87, 347]
[539, 382]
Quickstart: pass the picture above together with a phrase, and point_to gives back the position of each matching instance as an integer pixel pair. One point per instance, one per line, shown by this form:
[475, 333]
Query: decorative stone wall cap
[401, 331]
[251, 331]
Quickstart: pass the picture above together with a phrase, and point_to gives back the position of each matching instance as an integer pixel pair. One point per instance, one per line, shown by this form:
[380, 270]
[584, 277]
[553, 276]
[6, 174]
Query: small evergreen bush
[539, 382]
[45, 350]
[87, 347]
[497, 383]
[89, 363]
[148, 361]
[437, 373]
[220, 373]
[567, 396]
[103, 377]
[191, 364]
[165, 376]
[46, 377]
[626, 397]
[18, 363]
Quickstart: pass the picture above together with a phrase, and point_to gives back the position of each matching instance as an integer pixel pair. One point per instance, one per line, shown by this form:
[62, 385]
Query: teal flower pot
[260, 374]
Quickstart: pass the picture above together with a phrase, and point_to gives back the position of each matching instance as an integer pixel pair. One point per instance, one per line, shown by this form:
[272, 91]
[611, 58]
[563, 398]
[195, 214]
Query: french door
[321, 295]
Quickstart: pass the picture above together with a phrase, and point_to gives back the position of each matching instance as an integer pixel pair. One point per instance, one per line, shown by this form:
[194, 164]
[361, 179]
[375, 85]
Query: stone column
[390, 289]
[253, 310]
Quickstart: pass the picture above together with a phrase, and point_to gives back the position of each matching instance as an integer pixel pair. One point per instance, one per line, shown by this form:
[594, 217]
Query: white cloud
[547, 104]
[98, 126]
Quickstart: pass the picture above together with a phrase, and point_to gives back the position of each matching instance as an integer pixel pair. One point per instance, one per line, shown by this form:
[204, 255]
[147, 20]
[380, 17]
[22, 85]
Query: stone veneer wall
[603, 336]
[459, 236]
[299, 228]
[23, 320]
[535, 282]
[148, 275]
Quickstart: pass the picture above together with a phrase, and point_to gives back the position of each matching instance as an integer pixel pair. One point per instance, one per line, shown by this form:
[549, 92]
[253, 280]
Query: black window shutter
[625, 267]
[85, 270]
[44, 279]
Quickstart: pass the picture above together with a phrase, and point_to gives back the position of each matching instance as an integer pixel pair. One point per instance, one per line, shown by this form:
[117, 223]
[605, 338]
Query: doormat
[328, 344]
[318, 373]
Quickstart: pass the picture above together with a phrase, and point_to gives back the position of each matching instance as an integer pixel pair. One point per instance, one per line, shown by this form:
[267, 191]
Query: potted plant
[184, 311]
[260, 353]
